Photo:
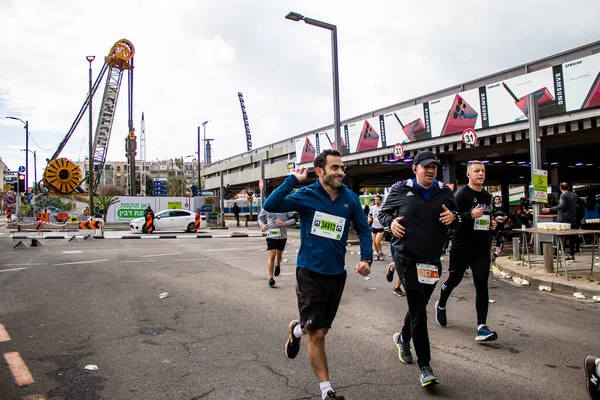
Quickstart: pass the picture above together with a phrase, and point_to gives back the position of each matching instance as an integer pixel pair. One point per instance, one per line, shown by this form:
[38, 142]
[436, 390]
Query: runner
[471, 248]
[418, 212]
[500, 215]
[276, 227]
[327, 208]
[376, 229]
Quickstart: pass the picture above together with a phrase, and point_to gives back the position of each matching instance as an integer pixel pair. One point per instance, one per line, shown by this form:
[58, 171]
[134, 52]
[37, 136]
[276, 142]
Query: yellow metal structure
[62, 176]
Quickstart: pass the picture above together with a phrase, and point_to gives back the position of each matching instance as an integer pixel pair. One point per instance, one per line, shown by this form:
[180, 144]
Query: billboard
[566, 87]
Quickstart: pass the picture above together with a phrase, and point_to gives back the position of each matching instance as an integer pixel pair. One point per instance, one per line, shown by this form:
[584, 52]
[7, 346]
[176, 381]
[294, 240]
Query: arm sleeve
[561, 203]
[454, 207]
[387, 213]
[362, 229]
[262, 218]
[281, 200]
[291, 219]
[464, 215]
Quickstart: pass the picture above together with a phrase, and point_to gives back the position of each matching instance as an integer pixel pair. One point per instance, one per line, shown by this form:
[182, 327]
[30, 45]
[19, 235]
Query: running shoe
[271, 282]
[591, 376]
[376, 258]
[426, 376]
[332, 395]
[389, 275]
[440, 315]
[277, 270]
[404, 353]
[381, 257]
[485, 334]
[398, 291]
[292, 344]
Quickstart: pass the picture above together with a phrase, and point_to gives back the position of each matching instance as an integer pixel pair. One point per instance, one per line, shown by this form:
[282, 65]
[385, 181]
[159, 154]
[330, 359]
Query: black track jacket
[425, 235]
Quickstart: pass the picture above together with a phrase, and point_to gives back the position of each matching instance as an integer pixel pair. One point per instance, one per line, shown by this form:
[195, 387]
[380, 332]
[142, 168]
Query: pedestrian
[366, 208]
[471, 249]
[592, 374]
[567, 213]
[418, 212]
[499, 214]
[326, 207]
[149, 220]
[236, 213]
[376, 229]
[275, 224]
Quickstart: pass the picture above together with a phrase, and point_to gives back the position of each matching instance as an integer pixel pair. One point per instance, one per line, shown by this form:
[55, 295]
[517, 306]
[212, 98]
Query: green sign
[540, 186]
[174, 205]
[130, 214]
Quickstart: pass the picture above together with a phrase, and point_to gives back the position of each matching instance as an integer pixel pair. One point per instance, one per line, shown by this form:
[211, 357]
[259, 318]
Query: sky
[192, 57]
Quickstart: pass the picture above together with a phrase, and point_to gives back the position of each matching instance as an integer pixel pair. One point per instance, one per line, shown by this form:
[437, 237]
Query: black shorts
[276, 244]
[319, 297]
[376, 230]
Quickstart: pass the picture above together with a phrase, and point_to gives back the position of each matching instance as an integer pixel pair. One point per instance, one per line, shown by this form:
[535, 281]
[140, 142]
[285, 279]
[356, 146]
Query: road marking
[22, 264]
[4, 337]
[72, 252]
[12, 269]
[161, 255]
[82, 262]
[19, 370]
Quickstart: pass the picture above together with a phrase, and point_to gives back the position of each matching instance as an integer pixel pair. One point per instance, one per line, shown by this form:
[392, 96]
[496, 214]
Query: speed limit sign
[469, 136]
[398, 152]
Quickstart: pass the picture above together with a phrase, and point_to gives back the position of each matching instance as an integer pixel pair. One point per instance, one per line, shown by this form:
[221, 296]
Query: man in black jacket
[471, 248]
[567, 213]
[418, 212]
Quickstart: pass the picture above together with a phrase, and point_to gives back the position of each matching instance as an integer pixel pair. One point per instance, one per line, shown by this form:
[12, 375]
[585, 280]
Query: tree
[106, 202]
[110, 190]
[176, 185]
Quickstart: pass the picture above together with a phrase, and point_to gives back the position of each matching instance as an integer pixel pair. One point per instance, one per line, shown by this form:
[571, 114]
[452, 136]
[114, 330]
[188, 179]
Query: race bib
[327, 225]
[427, 273]
[482, 223]
[274, 233]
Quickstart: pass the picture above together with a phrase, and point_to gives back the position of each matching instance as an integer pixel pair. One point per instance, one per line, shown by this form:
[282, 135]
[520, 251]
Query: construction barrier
[40, 229]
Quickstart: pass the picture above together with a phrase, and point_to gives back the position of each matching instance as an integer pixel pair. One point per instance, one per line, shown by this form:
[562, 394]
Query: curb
[558, 287]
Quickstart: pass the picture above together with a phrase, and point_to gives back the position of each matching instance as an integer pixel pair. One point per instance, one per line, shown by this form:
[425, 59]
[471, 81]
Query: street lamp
[205, 148]
[34, 170]
[293, 16]
[91, 146]
[26, 123]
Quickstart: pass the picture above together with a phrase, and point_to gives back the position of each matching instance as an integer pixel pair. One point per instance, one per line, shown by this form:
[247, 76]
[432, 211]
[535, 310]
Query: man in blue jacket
[327, 208]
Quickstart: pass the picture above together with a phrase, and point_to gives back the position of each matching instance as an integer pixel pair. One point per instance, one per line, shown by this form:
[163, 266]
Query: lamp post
[34, 170]
[293, 16]
[205, 148]
[26, 123]
[91, 139]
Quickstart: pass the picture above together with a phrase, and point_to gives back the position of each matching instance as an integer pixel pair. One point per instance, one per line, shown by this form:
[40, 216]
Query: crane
[62, 176]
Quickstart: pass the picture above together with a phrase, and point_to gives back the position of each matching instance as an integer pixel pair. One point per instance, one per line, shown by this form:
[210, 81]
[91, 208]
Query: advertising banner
[455, 113]
[406, 125]
[540, 186]
[365, 135]
[306, 149]
[582, 83]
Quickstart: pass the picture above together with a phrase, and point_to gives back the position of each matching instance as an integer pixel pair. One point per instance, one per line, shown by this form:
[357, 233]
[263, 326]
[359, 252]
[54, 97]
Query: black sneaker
[332, 395]
[292, 344]
[398, 292]
[277, 270]
[381, 257]
[404, 354]
[389, 275]
[440, 315]
[271, 282]
[593, 382]
[426, 376]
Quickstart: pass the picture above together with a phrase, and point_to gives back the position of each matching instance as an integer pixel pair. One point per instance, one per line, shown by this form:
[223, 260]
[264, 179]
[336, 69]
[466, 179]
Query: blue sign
[21, 169]
[10, 200]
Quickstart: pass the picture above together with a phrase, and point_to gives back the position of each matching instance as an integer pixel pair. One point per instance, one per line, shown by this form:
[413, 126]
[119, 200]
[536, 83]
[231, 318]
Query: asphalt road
[220, 332]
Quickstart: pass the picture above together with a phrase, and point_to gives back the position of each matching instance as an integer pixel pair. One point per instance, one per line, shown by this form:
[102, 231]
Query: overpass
[568, 89]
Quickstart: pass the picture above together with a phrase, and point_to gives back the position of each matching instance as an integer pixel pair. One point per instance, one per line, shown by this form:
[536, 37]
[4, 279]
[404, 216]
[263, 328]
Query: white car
[170, 220]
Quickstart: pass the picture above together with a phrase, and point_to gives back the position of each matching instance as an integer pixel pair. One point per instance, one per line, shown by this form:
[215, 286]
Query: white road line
[12, 269]
[82, 262]
[18, 369]
[72, 252]
[161, 255]
[4, 336]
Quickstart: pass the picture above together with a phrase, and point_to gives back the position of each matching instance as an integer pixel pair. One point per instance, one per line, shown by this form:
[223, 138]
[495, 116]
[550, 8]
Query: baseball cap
[425, 157]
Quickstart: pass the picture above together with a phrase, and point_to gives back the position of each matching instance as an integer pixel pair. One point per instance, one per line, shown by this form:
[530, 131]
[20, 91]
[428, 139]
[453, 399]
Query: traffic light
[21, 183]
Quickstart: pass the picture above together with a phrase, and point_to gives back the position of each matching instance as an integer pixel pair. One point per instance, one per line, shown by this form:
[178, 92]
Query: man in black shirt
[471, 248]
[567, 213]
[418, 212]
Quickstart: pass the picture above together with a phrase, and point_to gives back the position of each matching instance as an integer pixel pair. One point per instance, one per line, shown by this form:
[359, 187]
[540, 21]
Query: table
[559, 236]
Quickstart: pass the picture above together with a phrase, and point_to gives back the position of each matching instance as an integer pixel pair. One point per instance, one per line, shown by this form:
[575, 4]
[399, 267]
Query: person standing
[275, 224]
[376, 229]
[327, 208]
[418, 212]
[567, 213]
[236, 213]
[500, 215]
[471, 249]
[149, 220]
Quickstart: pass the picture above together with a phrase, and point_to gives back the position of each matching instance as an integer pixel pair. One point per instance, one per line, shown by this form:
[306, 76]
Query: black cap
[424, 158]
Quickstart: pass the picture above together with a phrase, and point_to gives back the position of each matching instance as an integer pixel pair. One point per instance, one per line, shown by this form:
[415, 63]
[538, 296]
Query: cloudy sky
[194, 56]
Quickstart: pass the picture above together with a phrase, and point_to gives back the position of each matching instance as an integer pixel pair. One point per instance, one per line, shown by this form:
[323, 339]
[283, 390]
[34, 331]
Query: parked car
[170, 220]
